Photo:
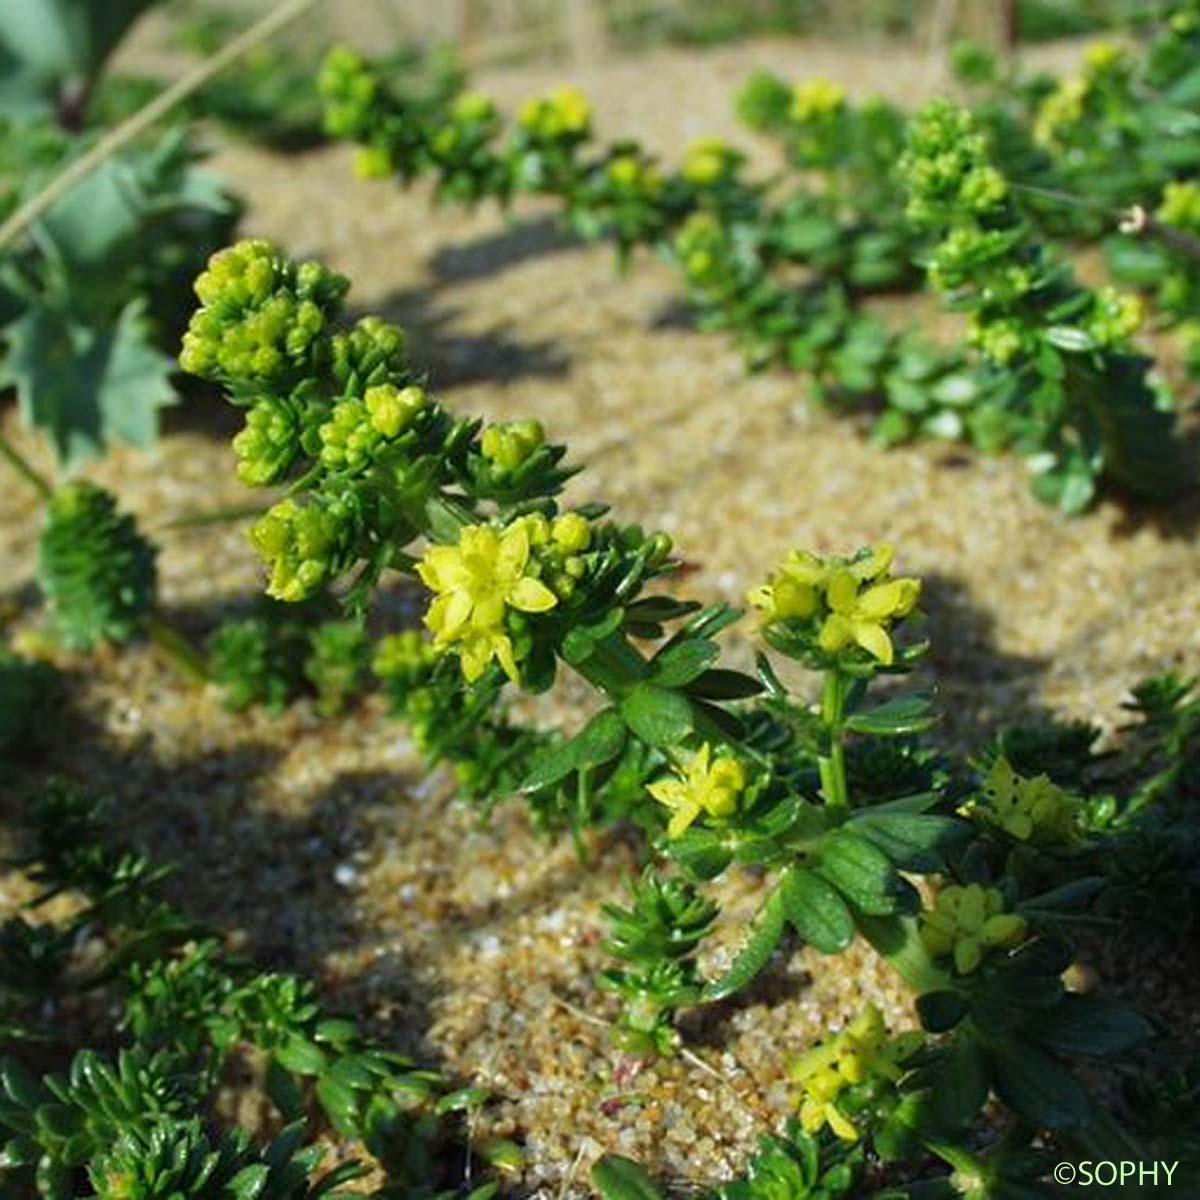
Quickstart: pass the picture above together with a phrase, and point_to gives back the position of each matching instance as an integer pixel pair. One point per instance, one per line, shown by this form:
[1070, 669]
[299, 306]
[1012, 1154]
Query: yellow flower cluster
[1061, 109]
[708, 785]
[708, 160]
[472, 107]
[1030, 810]
[1181, 204]
[563, 112]
[854, 599]
[634, 174]
[816, 99]
[476, 583]
[1115, 317]
[967, 921]
[861, 1052]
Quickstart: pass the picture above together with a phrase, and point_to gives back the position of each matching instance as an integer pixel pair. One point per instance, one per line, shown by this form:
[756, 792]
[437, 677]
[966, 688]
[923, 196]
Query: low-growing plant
[837, 803]
[135, 1117]
[784, 269]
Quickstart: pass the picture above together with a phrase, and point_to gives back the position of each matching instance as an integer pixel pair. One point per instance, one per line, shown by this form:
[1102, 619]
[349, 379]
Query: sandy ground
[477, 946]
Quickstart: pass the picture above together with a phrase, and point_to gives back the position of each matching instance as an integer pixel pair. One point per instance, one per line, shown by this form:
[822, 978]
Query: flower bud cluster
[966, 923]
[262, 318]
[837, 610]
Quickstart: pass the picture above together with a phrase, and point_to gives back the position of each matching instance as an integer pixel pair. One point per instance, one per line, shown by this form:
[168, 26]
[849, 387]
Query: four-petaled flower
[1030, 810]
[707, 786]
[966, 922]
[861, 616]
[477, 582]
[863, 1051]
[854, 600]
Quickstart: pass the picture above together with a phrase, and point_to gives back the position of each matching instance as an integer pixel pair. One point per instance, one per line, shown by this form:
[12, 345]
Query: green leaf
[1070, 338]
[898, 939]
[619, 1178]
[249, 1182]
[817, 912]
[600, 740]
[549, 766]
[301, 1056]
[961, 1082]
[56, 41]
[87, 388]
[1035, 1086]
[678, 664]
[859, 870]
[719, 684]
[1089, 1025]
[340, 1104]
[657, 716]
[765, 931]
[904, 714]
[913, 841]
[702, 851]
[940, 1011]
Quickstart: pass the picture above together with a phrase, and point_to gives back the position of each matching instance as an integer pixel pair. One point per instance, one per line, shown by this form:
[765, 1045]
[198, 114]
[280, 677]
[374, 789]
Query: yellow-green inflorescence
[706, 786]
[847, 602]
[494, 573]
[563, 114]
[509, 444]
[261, 314]
[1033, 810]
[967, 922]
[863, 1052]
[709, 160]
[358, 429]
[300, 545]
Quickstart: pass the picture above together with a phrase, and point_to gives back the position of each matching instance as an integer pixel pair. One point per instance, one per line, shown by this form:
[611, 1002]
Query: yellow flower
[860, 1052]
[706, 787]
[1102, 57]
[564, 110]
[474, 106]
[967, 921]
[476, 583]
[706, 161]
[1059, 111]
[1181, 204]
[1036, 810]
[855, 597]
[861, 617]
[816, 98]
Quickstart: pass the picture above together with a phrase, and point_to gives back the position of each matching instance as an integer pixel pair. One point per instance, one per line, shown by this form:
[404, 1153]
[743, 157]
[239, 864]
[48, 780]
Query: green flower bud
[269, 443]
[571, 533]
[372, 352]
[508, 446]
[300, 546]
[262, 318]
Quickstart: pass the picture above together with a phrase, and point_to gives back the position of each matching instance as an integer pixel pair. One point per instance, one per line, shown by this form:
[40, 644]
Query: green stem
[24, 468]
[177, 650]
[832, 767]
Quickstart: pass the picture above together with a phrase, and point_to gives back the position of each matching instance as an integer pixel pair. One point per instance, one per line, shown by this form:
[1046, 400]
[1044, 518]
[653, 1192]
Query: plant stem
[833, 767]
[24, 468]
[177, 650]
[117, 138]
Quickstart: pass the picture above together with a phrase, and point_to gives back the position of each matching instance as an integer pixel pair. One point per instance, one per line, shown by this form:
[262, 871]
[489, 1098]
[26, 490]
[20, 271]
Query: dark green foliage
[141, 1118]
[24, 688]
[95, 569]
